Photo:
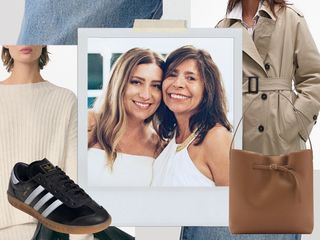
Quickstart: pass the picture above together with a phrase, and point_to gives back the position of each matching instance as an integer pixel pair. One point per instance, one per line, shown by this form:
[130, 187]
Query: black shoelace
[62, 186]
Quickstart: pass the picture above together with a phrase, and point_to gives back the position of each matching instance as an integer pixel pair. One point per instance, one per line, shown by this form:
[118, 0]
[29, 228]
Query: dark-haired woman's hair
[212, 108]
[272, 3]
[8, 61]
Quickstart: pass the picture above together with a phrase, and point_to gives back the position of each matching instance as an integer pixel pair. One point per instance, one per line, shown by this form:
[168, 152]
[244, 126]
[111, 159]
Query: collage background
[200, 16]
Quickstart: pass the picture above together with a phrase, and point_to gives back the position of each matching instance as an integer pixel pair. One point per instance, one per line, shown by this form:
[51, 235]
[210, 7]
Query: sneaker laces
[62, 185]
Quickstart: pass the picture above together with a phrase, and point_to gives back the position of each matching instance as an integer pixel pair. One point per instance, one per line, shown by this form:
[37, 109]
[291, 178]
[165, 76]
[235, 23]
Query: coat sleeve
[307, 78]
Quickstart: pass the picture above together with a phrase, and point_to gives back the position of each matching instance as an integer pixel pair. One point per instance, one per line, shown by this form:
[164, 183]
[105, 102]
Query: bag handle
[294, 108]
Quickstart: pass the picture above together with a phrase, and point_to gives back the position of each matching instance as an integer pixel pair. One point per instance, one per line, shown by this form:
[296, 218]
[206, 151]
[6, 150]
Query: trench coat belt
[269, 84]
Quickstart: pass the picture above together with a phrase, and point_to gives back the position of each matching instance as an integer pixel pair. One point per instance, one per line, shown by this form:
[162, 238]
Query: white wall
[207, 13]
[10, 20]
[177, 9]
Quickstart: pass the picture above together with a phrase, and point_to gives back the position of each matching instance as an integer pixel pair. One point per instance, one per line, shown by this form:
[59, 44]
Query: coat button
[264, 96]
[315, 117]
[261, 128]
[267, 66]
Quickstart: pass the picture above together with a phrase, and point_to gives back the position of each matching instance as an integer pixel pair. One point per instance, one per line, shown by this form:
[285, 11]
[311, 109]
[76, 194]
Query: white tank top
[127, 171]
[176, 169]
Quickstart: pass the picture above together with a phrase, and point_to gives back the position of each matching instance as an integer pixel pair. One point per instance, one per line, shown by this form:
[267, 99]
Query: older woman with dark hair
[194, 121]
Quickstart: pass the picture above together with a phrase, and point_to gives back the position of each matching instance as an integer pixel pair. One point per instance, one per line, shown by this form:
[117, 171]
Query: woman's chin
[180, 111]
[140, 117]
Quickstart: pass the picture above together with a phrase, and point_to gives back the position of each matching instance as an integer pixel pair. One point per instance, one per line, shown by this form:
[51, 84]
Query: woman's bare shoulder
[217, 135]
[157, 143]
[215, 153]
[216, 144]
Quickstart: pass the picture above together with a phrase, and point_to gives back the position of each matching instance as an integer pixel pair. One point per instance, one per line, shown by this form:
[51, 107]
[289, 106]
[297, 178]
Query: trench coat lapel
[248, 45]
[263, 33]
[264, 29]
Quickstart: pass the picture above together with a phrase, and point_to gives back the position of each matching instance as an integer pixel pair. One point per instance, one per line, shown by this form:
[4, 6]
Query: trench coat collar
[265, 11]
[258, 48]
[265, 28]
[248, 45]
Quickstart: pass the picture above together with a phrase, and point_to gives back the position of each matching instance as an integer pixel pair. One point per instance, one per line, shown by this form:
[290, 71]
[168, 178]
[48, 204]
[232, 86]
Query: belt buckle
[256, 90]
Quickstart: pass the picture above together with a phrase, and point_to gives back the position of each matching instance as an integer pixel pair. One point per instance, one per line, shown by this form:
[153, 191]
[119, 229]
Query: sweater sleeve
[307, 77]
[70, 156]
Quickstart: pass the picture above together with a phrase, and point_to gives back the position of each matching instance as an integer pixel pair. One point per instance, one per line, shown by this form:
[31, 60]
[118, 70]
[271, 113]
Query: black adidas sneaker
[48, 194]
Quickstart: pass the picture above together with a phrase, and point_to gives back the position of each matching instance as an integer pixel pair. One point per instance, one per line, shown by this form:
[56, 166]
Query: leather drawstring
[276, 167]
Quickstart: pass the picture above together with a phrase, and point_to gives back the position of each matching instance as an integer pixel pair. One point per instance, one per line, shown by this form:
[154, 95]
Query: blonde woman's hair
[110, 116]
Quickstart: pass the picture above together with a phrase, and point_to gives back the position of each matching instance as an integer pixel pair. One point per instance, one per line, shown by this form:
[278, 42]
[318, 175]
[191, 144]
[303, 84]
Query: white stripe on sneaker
[14, 178]
[34, 194]
[51, 208]
[42, 201]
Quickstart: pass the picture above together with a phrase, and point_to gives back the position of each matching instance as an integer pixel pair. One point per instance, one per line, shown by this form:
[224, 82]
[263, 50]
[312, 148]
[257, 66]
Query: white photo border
[156, 206]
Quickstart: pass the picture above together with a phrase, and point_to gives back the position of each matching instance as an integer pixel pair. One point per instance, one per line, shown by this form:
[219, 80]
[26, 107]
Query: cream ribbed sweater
[37, 121]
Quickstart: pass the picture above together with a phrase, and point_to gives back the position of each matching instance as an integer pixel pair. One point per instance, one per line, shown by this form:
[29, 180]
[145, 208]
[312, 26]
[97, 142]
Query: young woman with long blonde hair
[122, 141]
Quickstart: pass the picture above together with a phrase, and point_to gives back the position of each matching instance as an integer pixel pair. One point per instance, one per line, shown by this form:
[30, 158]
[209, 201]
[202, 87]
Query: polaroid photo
[149, 83]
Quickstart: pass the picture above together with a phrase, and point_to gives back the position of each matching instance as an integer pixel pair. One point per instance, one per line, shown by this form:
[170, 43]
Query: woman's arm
[215, 152]
[307, 76]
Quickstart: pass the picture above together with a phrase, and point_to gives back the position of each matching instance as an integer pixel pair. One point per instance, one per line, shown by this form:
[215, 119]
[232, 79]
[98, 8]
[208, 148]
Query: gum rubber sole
[58, 227]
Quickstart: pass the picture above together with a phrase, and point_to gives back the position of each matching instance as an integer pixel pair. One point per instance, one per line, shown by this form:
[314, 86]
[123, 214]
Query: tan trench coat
[281, 52]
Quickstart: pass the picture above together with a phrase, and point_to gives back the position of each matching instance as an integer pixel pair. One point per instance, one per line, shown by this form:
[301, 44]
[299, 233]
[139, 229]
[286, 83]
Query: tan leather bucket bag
[271, 194]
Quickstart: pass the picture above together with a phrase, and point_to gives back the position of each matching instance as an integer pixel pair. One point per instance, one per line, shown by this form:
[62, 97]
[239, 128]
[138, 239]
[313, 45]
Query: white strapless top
[127, 171]
[176, 169]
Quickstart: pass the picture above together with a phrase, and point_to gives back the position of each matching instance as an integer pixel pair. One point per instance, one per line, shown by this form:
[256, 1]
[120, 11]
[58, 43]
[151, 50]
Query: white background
[177, 9]
[10, 20]
[61, 70]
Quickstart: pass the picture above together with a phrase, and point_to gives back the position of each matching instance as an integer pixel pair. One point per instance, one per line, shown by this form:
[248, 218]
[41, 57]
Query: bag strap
[294, 108]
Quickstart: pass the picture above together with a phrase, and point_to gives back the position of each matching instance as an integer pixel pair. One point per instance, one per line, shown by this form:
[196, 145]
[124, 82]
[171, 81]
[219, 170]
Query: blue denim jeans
[222, 233]
[57, 21]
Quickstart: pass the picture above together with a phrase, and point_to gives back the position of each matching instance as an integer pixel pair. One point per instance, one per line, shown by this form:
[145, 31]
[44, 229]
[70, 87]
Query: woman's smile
[183, 88]
[142, 105]
[143, 92]
[178, 96]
